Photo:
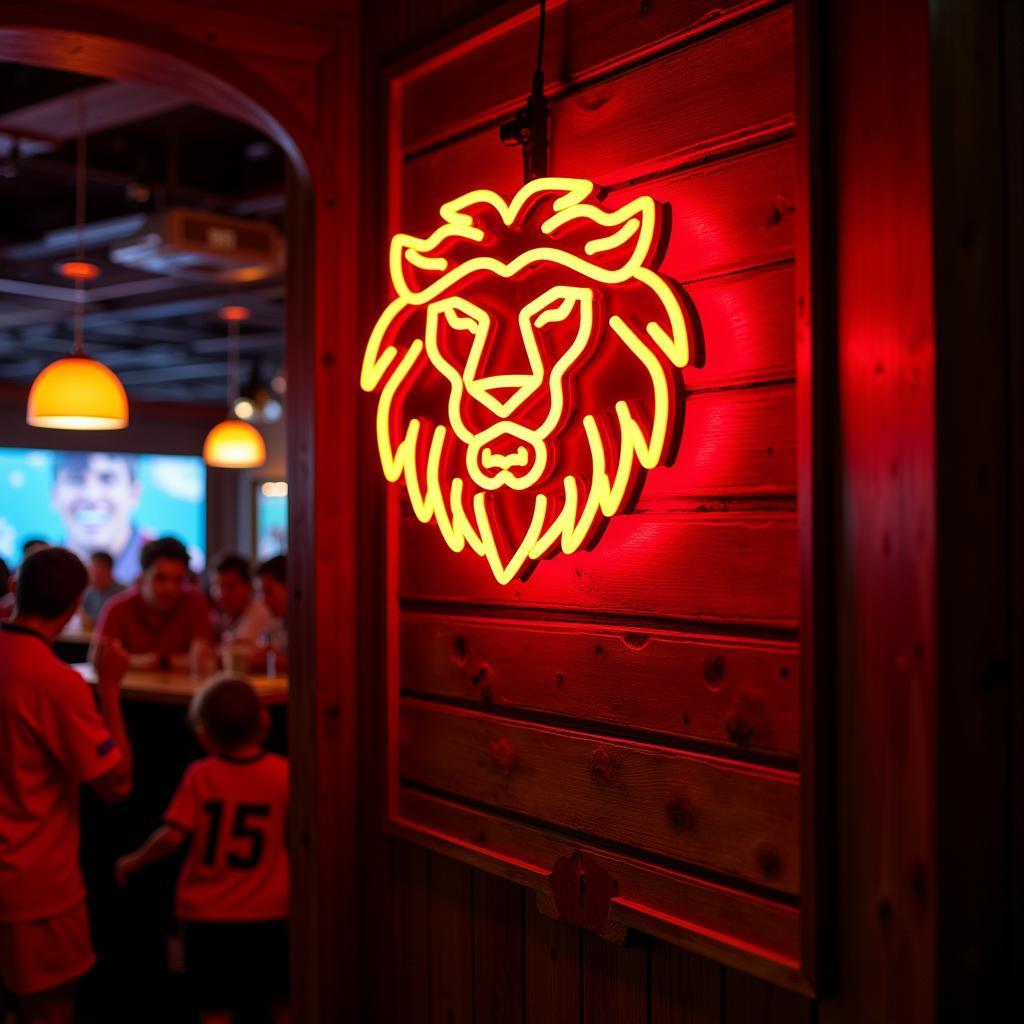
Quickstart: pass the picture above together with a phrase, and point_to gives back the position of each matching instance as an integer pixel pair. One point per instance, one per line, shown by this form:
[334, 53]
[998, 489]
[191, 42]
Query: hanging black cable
[529, 128]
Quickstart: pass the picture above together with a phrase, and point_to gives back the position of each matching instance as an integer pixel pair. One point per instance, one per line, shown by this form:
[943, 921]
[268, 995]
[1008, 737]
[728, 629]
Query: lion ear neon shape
[528, 368]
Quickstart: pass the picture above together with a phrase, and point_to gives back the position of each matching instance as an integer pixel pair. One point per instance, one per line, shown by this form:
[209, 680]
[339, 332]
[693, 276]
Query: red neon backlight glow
[527, 370]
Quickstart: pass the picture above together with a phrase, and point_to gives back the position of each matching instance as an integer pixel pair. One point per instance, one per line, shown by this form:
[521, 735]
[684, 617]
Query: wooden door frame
[322, 291]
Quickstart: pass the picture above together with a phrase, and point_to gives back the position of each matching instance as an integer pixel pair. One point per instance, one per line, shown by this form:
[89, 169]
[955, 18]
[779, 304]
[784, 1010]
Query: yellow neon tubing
[606, 487]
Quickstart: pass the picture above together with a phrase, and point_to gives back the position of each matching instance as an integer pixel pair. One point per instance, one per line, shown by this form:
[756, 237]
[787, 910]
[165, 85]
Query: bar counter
[178, 688]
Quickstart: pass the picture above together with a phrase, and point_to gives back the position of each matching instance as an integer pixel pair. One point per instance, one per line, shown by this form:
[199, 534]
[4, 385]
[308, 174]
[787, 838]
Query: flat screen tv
[101, 501]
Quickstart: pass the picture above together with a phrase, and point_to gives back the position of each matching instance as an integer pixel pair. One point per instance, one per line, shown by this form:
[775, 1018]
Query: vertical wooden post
[322, 458]
[881, 151]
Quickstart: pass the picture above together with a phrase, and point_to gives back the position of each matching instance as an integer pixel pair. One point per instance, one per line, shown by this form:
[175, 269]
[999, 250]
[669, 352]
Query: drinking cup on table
[234, 657]
[202, 659]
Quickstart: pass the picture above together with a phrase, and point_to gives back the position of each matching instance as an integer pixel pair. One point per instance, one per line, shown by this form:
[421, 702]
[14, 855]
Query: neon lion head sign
[528, 368]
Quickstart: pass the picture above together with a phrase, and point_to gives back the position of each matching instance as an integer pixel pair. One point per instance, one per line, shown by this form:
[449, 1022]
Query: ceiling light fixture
[78, 393]
[233, 443]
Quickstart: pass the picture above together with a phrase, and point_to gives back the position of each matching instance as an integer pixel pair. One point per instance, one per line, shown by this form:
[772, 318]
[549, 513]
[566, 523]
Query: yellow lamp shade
[233, 444]
[77, 394]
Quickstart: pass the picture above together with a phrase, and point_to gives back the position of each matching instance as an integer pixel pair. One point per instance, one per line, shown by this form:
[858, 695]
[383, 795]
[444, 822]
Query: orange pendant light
[78, 393]
[233, 443]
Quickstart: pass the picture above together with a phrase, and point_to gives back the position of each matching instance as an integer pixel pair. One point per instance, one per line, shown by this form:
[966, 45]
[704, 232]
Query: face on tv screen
[101, 501]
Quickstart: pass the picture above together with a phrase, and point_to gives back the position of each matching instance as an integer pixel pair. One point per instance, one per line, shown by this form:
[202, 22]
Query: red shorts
[44, 954]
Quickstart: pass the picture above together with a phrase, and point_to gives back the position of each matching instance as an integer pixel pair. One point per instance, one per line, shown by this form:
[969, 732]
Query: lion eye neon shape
[527, 370]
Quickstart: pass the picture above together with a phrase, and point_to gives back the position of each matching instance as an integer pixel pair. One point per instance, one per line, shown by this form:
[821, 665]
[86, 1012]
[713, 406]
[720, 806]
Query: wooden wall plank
[733, 443]
[742, 693]
[409, 955]
[726, 215]
[451, 942]
[498, 950]
[750, 1000]
[705, 567]
[551, 976]
[685, 989]
[724, 163]
[723, 88]
[738, 443]
[755, 933]
[737, 820]
[747, 321]
[614, 982]
[584, 39]
[881, 155]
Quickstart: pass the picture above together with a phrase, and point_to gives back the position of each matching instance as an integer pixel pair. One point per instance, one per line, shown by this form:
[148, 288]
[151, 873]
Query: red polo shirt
[52, 739]
[143, 630]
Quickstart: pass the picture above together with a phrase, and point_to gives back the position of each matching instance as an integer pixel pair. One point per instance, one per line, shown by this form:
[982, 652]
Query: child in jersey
[232, 894]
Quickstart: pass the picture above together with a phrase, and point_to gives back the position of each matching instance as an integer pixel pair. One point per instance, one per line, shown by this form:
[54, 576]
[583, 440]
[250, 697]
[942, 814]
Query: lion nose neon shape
[527, 371]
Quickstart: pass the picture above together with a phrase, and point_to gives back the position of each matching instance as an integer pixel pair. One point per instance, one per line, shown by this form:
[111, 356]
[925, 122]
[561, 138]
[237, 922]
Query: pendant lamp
[233, 443]
[78, 393]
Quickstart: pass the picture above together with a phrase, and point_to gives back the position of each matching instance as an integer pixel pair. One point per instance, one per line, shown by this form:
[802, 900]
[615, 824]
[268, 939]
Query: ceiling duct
[205, 246]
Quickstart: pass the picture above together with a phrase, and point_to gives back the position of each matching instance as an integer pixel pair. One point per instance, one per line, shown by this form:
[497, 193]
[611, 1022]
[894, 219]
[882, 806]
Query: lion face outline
[527, 370]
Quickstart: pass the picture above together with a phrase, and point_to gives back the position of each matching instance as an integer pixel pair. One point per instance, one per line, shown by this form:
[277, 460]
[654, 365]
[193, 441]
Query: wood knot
[747, 719]
[769, 860]
[885, 912]
[714, 670]
[460, 651]
[739, 730]
[679, 812]
[636, 641]
[602, 767]
[781, 209]
[503, 757]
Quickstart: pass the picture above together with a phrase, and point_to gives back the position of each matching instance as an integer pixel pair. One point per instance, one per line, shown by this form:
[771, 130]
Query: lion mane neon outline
[528, 368]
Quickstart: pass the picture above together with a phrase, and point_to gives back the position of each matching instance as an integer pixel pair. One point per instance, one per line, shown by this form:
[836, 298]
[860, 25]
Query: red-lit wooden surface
[383, 925]
[641, 700]
[736, 694]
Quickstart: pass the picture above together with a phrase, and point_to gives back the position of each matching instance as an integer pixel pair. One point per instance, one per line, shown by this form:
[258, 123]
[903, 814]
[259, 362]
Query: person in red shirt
[232, 895]
[52, 739]
[6, 595]
[163, 620]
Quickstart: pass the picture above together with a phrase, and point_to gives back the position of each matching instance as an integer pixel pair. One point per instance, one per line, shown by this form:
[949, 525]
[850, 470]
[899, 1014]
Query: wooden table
[76, 636]
[179, 687]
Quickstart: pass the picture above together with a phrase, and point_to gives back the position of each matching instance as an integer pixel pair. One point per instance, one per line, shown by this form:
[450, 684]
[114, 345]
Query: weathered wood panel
[732, 819]
[734, 443]
[410, 931]
[498, 950]
[552, 968]
[724, 89]
[754, 933]
[726, 215]
[750, 999]
[748, 324]
[587, 653]
[703, 567]
[451, 945]
[614, 983]
[584, 40]
[685, 989]
[723, 690]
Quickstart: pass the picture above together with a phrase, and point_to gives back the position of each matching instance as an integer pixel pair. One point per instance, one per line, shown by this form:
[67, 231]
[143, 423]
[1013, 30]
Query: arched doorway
[321, 360]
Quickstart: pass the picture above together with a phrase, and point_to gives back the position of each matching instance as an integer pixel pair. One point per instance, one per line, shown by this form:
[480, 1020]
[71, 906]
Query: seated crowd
[56, 735]
[165, 621]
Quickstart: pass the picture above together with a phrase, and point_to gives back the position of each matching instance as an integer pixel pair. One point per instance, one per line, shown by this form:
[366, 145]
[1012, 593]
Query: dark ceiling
[148, 151]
